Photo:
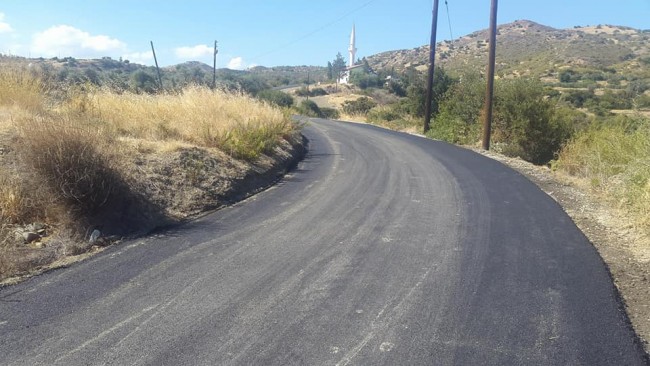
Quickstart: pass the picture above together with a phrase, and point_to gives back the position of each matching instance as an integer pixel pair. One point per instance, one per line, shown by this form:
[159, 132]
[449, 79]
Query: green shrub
[383, 114]
[527, 123]
[310, 109]
[276, 97]
[305, 92]
[316, 92]
[458, 119]
[360, 106]
[330, 113]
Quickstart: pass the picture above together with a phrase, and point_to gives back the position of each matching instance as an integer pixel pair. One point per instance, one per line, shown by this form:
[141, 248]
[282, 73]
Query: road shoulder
[624, 249]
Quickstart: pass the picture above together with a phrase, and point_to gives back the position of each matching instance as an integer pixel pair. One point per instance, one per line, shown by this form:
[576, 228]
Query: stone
[95, 235]
[30, 236]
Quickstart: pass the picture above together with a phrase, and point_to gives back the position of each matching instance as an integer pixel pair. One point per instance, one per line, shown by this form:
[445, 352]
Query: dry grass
[234, 123]
[615, 160]
[62, 160]
[20, 87]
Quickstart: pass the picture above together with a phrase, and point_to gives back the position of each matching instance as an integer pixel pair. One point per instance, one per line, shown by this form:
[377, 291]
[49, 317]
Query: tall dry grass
[615, 159]
[21, 87]
[233, 122]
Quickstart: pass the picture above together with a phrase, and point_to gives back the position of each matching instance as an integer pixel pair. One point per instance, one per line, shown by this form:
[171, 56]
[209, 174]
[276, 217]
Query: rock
[94, 236]
[30, 236]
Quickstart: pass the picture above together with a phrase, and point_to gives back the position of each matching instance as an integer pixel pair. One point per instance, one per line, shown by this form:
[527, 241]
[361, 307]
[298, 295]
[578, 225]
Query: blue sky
[269, 33]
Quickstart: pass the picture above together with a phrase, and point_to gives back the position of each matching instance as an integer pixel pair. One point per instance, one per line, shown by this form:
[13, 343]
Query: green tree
[527, 122]
[143, 82]
[458, 118]
[338, 66]
[330, 71]
[417, 93]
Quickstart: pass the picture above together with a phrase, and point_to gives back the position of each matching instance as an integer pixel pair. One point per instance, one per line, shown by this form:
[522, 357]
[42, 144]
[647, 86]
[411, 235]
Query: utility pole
[489, 95]
[214, 67]
[160, 84]
[432, 61]
[308, 84]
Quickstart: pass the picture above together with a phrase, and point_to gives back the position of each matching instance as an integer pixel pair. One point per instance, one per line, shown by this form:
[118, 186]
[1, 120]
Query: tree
[528, 123]
[417, 93]
[338, 66]
[142, 81]
[330, 71]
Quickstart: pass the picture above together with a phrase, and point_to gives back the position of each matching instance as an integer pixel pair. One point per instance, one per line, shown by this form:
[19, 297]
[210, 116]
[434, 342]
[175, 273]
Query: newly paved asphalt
[380, 249]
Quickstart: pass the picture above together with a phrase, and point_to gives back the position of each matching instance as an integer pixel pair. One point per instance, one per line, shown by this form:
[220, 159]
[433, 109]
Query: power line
[451, 34]
[314, 31]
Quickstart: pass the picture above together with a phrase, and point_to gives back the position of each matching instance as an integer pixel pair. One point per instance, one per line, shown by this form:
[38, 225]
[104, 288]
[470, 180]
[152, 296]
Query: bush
[276, 97]
[310, 109]
[527, 123]
[72, 161]
[458, 119]
[330, 113]
[316, 92]
[302, 92]
[305, 92]
[365, 80]
[360, 106]
[383, 114]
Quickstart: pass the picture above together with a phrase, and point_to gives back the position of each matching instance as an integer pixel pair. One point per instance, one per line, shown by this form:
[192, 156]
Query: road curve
[380, 249]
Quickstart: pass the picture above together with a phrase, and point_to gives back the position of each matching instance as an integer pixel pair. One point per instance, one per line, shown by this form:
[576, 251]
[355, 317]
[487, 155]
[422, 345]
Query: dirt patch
[624, 248]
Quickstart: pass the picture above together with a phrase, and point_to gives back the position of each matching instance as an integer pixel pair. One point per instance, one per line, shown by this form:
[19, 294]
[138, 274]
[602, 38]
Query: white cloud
[64, 40]
[195, 52]
[143, 58]
[238, 63]
[4, 26]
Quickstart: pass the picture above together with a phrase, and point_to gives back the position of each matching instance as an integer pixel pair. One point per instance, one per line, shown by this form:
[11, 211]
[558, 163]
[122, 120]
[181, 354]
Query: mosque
[352, 53]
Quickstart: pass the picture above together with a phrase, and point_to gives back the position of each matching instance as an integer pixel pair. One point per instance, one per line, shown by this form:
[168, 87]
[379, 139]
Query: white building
[352, 55]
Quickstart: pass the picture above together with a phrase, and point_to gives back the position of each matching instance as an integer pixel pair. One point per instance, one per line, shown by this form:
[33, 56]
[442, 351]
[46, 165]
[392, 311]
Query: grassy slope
[86, 158]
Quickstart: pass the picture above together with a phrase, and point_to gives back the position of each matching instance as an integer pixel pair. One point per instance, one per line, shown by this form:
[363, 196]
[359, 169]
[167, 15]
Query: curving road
[380, 249]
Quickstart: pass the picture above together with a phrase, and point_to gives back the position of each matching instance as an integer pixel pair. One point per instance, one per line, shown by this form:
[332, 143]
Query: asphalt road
[380, 249]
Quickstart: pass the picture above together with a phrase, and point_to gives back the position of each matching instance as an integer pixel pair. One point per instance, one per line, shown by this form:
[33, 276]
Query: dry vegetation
[67, 156]
[614, 159]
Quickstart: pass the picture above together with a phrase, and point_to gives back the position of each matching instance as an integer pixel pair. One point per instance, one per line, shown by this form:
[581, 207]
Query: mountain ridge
[527, 48]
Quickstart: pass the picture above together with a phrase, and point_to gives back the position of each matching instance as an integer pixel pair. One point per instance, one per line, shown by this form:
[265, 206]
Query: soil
[624, 248]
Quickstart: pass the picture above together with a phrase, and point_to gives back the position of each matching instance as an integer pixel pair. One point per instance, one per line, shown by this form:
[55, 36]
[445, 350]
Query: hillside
[526, 48]
[124, 75]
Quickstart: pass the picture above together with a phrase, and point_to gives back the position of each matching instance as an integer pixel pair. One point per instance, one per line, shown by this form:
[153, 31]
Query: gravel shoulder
[624, 249]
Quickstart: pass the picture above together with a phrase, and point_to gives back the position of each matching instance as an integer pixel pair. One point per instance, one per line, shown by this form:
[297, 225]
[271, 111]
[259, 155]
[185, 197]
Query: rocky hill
[528, 48]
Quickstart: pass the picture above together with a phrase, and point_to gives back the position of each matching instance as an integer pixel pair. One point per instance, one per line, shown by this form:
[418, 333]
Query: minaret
[352, 49]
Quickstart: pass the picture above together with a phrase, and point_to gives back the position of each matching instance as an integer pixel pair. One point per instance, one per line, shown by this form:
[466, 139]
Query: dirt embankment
[164, 188]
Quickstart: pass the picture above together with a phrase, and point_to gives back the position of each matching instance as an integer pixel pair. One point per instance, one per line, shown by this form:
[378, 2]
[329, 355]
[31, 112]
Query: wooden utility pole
[160, 84]
[214, 67]
[432, 62]
[308, 84]
[489, 95]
